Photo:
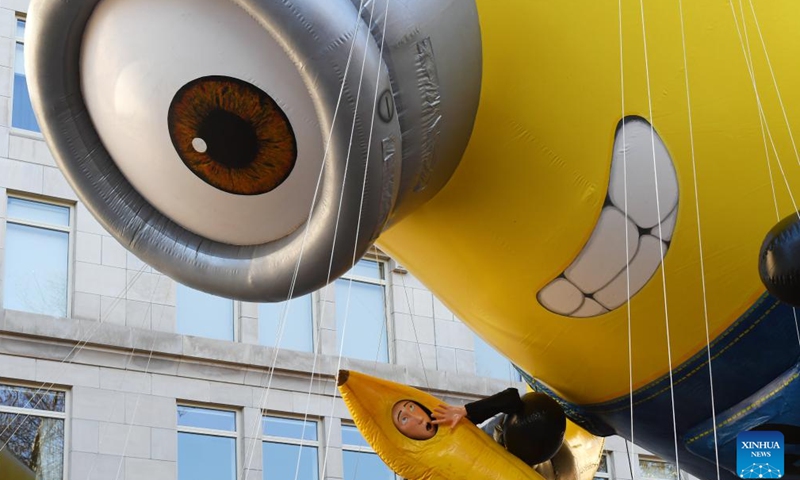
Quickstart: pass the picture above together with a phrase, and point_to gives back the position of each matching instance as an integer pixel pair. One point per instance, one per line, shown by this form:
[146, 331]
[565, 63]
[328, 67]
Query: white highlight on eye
[596, 282]
[199, 145]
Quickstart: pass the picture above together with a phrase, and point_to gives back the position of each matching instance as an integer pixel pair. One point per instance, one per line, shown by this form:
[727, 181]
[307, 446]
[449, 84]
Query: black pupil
[230, 140]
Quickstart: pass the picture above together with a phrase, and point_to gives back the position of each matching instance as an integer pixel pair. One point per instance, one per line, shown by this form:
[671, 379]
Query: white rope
[103, 435]
[796, 329]
[76, 349]
[627, 241]
[360, 212]
[748, 62]
[785, 118]
[774, 80]
[699, 237]
[414, 329]
[138, 395]
[265, 395]
[660, 235]
[745, 44]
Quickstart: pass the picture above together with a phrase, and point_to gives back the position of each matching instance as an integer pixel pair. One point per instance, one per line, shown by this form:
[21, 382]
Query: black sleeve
[507, 401]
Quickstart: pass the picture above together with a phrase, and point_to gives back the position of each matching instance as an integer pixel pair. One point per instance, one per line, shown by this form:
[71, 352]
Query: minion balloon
[586, 184]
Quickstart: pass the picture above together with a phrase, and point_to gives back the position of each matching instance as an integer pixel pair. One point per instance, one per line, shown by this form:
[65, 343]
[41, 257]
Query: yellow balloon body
[531, 186]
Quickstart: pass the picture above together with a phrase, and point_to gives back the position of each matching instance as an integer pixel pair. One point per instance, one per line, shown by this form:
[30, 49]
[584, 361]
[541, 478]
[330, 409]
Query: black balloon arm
[507, 401]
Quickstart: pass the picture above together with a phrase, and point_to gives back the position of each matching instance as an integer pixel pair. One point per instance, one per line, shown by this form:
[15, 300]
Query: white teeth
[604, 255]
[590, 308]
[667, 227]
[560, 296]
[641, 179]
[642, 267]
[596, 282]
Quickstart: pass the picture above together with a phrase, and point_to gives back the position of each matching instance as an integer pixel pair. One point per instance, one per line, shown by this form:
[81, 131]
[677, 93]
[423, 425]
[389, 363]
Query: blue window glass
[36, 267]
[204, 315]
[290, 449]
[22, 111]
[351, 436]
[283, 460]
[358, 463]
[367, 269]
[361, 313]
[207, 418]
[39, 212]
[298, 326]
[206, 457]
[290, 428]
[206, 444]
[489, 363]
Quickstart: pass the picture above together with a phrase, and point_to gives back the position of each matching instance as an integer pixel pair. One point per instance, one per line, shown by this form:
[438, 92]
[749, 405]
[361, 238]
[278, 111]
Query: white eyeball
[205, 114]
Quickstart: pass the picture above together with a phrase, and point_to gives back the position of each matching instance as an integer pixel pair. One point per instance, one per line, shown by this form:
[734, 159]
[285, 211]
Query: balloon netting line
[745, 44]
[660, 233]
[76, 349]
[785, 117]
[623, 114]
[358, 223]
[285, 311]
[699, 237]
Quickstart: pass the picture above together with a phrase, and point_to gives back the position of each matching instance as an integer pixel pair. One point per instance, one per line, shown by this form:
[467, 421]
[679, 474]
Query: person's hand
[448, 415]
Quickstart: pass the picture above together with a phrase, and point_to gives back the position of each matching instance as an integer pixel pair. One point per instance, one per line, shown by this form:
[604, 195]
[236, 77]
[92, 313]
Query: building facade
[111, 370]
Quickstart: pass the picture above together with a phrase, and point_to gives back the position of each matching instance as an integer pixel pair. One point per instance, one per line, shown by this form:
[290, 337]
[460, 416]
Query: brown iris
[232, 135]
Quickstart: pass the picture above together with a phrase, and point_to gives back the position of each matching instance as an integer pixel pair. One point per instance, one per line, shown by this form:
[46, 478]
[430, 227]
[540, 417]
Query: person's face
[412, 420]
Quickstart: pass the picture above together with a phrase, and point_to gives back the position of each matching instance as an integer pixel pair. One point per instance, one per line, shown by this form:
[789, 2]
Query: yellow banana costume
[463, 452]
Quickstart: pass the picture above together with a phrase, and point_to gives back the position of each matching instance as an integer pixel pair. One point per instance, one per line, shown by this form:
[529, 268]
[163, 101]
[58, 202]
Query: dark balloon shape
[779, 260]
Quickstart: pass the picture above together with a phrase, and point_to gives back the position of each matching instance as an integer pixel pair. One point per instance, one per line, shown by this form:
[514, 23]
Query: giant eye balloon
[587, 185]
[254, 148]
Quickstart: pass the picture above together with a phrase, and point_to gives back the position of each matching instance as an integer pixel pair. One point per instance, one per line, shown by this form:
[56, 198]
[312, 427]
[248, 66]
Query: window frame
[376, 256]
[608, 473]
[47, 414]
[655, 459]
[69, 230]
[317, 444]
[239, 461]
[16, 131]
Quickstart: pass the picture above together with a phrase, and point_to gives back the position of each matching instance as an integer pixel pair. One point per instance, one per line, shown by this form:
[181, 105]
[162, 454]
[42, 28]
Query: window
[204, 315]
[22, 111]
[31, 433]
[604, 469]
[290, 449]
[206, 443]
[360, 461]
[37, 257]
[489, 363]
[658, 469]
[361, 312]
[298, 326]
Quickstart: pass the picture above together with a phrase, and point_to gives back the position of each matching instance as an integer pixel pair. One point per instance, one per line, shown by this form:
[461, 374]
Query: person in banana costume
[460, 451]
[531, 427]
